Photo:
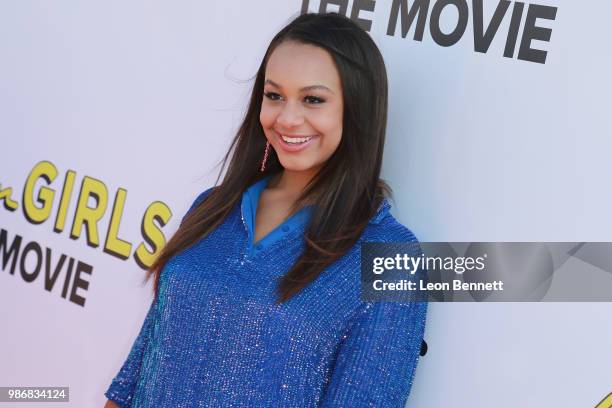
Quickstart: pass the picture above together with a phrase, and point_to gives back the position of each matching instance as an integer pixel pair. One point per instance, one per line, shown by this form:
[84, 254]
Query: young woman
[257, 295]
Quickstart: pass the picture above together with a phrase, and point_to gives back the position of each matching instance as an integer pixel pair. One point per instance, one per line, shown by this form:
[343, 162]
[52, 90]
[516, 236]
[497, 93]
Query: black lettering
[342, 4]
[483, 41]
[362, 5]
[439, 37]
[80, 283]
[30, 247]
[533, 32]
[419, 7]
[515, 23]
[68, 275]
[51, 278]
[12, 253]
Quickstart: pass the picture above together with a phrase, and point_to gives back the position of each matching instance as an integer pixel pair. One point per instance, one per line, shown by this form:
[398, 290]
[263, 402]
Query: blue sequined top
[215, 337]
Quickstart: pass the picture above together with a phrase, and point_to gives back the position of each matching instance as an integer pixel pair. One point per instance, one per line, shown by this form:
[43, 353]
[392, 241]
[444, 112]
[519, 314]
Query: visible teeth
[296, 140]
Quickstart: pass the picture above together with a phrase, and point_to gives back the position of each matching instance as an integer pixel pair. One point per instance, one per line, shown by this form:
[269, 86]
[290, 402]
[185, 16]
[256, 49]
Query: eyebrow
[306, 88]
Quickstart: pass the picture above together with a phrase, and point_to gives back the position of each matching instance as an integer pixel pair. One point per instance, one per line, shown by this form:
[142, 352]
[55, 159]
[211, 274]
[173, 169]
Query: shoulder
[384, 227]
[199, 198]
[388, 230]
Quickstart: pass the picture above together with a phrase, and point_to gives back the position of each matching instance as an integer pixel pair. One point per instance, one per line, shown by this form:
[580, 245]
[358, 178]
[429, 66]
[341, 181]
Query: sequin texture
[215, 337]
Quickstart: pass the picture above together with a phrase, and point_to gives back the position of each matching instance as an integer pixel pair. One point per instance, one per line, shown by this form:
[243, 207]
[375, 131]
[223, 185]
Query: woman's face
[302, 107]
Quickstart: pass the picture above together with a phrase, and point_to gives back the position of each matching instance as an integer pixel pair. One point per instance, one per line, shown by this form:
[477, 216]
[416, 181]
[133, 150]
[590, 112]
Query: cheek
[266, 117]
[329, 124]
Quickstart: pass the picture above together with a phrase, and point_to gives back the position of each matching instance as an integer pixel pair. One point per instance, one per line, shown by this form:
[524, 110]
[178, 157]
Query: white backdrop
[144, 97]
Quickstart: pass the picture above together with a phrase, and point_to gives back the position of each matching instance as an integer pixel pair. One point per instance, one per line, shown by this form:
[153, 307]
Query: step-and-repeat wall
[114, 116]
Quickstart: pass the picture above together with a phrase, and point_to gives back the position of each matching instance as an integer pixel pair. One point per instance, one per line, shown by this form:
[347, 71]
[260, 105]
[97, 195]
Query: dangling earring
[265, 157]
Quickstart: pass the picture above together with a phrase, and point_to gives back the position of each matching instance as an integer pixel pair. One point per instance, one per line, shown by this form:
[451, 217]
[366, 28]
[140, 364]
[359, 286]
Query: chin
[292, 165]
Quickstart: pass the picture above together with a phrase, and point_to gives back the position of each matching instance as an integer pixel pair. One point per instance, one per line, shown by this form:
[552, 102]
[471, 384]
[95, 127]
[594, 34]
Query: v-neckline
[249, 206]
[274, 230]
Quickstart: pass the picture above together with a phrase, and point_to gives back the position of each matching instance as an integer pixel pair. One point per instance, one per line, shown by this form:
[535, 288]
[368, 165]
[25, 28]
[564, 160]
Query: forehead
[293, 64]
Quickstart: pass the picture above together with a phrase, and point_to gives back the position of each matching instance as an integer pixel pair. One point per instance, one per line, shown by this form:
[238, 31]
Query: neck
[292, 182]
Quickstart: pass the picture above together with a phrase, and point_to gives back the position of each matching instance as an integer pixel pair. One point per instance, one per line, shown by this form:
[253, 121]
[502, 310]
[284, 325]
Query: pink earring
[265, 157]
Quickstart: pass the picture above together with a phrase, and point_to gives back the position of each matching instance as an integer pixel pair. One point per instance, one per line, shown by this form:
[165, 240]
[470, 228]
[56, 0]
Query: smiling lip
[295, 147]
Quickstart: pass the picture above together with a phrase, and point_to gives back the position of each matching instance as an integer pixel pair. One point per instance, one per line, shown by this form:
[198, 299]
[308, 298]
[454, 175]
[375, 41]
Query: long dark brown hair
[347, 190]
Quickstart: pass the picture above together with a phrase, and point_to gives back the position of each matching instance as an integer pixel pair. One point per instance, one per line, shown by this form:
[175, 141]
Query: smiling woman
[302, 108]
[257, 295]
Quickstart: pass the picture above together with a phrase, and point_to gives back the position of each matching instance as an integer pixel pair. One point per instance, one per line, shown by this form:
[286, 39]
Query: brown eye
[313, 100]
[273, 96]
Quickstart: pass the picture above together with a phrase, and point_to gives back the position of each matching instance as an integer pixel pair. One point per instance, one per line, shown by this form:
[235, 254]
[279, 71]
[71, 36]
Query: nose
[290, 116]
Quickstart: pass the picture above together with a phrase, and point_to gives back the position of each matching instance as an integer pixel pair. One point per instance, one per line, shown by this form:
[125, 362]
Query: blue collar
[250, 201]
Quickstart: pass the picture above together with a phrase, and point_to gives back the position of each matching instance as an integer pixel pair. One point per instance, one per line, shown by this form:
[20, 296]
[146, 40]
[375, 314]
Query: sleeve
[197, 202]
[121, 389]
[378, 356]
